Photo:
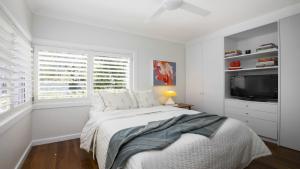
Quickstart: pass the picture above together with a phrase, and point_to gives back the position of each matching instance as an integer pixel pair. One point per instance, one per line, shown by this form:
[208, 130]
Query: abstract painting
[164, 73]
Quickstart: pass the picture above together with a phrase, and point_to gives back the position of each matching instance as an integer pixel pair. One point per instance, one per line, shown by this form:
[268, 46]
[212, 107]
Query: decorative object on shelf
[184, 106]
[248, 52]
[229, 53]
[235, 65]
[268, 61]
[164, 73]
[170, 94]
[267, 46]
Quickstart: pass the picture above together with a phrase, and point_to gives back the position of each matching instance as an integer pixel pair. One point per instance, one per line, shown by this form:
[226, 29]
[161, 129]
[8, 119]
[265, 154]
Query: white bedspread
[234, 145]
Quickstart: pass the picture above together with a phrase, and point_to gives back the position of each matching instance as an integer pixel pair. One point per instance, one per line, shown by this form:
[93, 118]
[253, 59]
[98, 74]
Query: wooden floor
[68, 155]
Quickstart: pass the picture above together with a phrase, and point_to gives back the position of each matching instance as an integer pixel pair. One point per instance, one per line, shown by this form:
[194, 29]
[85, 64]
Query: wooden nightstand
[184, 106]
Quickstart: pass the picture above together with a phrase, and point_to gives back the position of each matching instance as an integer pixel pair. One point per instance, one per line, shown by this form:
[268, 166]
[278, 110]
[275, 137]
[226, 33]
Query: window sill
[60, 104]
[11, 120]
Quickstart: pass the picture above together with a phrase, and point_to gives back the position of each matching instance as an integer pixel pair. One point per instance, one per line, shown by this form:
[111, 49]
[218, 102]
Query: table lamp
[170, 94]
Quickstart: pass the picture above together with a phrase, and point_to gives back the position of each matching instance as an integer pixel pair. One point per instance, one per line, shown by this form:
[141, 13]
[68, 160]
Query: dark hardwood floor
[68, 155]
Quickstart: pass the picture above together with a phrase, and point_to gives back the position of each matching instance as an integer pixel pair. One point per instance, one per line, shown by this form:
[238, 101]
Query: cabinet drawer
[264, 128]
[238, 117]
[266, 107]
[236, 103]
[260, 106]
[252, 113]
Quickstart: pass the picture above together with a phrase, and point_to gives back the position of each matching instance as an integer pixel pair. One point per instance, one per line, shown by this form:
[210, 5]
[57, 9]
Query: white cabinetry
[262, 117]
[290, 82]
[204, 76]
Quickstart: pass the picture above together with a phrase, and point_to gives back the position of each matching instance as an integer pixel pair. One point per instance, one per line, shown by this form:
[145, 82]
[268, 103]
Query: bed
[233, 146]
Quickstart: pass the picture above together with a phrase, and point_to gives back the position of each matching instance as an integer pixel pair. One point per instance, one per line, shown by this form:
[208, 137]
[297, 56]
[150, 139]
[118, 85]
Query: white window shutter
[61, 75]
[15, 68]
[6, 71]
[111, 72]
[22, 75]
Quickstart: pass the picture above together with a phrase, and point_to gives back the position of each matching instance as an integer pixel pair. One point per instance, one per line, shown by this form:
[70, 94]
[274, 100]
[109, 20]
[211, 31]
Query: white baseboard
[23, 157]
[55, 139]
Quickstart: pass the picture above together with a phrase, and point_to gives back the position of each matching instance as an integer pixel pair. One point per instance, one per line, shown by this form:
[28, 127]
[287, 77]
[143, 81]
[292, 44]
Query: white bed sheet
[233, 146]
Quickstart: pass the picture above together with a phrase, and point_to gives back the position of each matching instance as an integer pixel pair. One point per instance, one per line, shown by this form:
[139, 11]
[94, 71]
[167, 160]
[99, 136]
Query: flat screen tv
[255, 87]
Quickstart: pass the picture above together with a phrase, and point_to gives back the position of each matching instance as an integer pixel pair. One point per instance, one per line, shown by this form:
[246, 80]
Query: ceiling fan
[169, 5]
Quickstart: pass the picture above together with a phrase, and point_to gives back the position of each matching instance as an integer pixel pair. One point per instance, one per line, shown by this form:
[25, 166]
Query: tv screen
[255, 87]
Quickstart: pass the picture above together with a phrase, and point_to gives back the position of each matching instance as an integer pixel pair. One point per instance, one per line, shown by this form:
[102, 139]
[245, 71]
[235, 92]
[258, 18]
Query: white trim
[23, 157]
[26, 34]
[78, 46]
[55, 139]
[61, 104]
[10, 121]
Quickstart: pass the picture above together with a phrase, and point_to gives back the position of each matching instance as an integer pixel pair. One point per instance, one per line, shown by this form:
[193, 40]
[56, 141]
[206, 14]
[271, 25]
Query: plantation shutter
[61, 75]
[15, 68]
[6, 71]
[111, 72]
[22, 72]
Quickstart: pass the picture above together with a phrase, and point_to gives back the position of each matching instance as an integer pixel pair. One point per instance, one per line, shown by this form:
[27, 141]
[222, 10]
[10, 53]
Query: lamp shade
[169, 93]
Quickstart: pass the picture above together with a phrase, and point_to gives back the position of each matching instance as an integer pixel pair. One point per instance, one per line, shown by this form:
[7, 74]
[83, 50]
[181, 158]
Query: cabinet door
[290, 82]
[213, 53]
[194, 76]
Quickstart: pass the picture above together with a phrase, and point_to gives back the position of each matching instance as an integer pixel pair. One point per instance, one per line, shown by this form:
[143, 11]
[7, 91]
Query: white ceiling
[178, 25]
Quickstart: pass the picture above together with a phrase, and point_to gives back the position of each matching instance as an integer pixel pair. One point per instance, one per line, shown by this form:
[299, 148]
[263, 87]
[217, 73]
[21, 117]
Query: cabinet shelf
[253, 69]
[265, 53]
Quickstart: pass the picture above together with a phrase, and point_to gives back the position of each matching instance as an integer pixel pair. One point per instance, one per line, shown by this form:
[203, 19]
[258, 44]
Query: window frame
[78, 49]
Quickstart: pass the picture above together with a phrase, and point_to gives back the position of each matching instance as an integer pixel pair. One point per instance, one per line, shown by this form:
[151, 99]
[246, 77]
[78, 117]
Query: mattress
[233, 146]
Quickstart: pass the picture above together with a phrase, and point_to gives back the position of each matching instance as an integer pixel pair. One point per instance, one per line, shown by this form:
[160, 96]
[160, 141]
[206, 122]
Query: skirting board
[23, 157]
[55, 139]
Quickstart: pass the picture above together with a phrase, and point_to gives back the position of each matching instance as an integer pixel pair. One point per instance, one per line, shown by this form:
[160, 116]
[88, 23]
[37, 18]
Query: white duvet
[233, 146]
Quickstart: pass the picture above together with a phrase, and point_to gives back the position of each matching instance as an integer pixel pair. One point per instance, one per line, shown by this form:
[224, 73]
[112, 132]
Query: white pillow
[97, 102]
[146, 98]
[117, 100]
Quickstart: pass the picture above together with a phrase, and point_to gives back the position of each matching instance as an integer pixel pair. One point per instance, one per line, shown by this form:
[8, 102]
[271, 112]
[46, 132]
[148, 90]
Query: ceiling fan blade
[156, 13]
[194, 9]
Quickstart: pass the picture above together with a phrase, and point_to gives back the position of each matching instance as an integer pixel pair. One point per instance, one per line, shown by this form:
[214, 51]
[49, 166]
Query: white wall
[14, 142]
[55, 122]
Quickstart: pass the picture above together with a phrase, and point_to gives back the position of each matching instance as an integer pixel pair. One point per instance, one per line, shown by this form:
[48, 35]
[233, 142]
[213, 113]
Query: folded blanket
[157, 136]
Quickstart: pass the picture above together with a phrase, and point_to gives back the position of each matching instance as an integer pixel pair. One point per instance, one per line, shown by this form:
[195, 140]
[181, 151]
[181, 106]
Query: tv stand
[260, 116]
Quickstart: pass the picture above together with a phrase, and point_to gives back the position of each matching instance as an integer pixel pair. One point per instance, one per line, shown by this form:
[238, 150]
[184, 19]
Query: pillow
[117, 100]
[97, 102]
[146, 99]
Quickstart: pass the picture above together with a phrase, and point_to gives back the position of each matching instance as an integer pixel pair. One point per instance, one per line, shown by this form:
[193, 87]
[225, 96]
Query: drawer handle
[247, 113]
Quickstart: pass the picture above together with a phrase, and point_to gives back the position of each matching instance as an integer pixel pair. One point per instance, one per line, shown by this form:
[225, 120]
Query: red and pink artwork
[164, 73]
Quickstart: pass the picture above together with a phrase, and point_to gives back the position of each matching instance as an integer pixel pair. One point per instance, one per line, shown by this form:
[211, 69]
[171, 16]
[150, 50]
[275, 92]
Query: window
[70, 74]
[15, 68]
[22, 72]
[61, 75]
[6, 42]
[111, 72]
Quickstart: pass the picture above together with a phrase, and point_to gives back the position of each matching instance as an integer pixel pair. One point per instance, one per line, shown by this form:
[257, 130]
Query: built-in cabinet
[204, 77]
[207, 79]
[262, 117]
[290, 82]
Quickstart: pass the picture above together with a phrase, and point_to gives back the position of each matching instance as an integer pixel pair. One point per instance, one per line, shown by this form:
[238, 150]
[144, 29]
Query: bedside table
[184, 106]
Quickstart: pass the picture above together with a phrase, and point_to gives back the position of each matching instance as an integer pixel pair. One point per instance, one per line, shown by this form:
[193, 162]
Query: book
[234, 68]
